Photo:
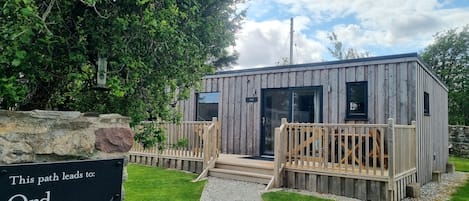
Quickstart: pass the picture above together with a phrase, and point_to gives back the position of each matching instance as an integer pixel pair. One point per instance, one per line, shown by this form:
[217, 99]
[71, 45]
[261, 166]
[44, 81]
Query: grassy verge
[462, 165]
[152, 183]
[282, 195]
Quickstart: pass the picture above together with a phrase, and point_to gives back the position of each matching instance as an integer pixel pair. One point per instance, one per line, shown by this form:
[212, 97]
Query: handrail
[279, 155]
[363, 150]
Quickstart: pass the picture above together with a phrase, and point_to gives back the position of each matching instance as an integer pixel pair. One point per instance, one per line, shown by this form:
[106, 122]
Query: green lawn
[152, 183]
[461, 165]
[282, 195]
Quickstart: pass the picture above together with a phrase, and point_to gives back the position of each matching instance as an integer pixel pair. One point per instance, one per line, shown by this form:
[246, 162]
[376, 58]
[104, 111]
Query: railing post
[283, 121]
[390, 138]
[216, 138]
[277, 157]
[206, 148]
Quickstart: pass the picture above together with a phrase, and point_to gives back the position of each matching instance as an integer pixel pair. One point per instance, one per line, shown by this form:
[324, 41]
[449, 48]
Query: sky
[379, 27]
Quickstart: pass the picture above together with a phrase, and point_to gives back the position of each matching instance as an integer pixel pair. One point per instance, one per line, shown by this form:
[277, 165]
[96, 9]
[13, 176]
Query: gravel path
[218, 189]
[441, 191]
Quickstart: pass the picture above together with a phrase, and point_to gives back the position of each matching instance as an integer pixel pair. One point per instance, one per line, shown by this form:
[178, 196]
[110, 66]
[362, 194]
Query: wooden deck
[364, 161]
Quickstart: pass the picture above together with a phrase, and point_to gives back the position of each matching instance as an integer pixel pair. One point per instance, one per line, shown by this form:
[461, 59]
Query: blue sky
[380, 27]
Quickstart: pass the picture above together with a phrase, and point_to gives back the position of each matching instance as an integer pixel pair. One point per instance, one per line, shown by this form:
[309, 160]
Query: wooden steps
[238, 168]
[240, 175]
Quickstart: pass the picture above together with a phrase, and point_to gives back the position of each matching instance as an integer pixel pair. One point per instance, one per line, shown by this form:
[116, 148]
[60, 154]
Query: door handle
[263, 121]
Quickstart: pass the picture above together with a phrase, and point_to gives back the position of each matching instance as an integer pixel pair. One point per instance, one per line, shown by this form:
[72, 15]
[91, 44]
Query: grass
[282, 195]
[152, 183]
[461, 165]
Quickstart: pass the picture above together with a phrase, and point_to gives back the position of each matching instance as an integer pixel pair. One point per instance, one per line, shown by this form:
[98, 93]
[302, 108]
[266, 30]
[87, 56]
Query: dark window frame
[197, 107]
[352, 115]
[426, 103]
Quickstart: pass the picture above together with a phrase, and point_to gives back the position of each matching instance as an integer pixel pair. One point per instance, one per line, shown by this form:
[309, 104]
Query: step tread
[248, 165]
[241, 173]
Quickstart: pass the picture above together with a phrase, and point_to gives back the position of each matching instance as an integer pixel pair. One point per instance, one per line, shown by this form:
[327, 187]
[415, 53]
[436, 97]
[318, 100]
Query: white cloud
[393, 26]
[266, 43]
[378, 23]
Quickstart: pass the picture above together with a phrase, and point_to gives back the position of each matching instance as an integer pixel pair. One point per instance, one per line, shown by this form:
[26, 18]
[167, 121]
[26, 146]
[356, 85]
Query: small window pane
[207, 106]
[357, 100]
[426, 103]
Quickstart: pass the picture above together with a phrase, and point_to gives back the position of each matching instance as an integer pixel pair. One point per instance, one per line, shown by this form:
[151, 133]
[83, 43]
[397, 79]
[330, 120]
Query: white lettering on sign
[77, 175]
[21, 197]
[52, 177]
[40, 180]
[90, 174]
[21, 180]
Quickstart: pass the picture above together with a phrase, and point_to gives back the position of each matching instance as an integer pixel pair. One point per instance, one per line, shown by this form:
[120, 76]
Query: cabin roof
[332, 64]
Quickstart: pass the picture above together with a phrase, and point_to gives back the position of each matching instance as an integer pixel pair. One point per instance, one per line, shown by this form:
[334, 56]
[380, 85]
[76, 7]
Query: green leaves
[448, 56]
[156, 52]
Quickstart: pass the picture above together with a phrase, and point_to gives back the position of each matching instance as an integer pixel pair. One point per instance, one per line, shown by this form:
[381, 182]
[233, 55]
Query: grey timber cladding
[395, 90]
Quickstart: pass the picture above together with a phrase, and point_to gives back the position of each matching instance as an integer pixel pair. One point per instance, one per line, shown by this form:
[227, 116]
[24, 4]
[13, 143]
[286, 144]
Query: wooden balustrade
[405, 152]
[379, 151]
[189, 139]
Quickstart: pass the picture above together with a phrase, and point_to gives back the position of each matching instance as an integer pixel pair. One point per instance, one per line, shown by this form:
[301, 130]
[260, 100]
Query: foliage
[448, 56]
[181, 143]
[282, 195]
[149, 135]
[156, 52]
[152, 183]
[340, 52]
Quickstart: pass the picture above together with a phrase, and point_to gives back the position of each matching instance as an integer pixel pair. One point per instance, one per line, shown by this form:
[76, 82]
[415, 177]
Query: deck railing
[188, 139]
[378, 151]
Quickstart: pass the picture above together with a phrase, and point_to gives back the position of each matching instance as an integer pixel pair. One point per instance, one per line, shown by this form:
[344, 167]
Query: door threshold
[267, 156]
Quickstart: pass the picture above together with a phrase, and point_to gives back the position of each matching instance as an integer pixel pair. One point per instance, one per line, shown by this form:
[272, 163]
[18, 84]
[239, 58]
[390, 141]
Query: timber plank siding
[396, 86]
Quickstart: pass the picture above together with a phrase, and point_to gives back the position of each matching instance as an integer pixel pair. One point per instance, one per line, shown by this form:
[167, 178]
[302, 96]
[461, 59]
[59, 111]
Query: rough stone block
[114, 139]
[450, 168]
[436, 176]
[412, 190]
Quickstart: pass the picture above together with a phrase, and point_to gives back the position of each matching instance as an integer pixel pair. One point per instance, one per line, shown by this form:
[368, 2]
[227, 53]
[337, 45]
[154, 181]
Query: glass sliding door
[305, 106]
[302, 105]
[276, 107]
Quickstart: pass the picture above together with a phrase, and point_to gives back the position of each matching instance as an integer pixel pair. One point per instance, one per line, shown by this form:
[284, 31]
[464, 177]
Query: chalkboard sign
[88, 180]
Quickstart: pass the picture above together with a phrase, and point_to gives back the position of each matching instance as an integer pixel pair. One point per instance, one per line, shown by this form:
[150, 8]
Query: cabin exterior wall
[395, 90]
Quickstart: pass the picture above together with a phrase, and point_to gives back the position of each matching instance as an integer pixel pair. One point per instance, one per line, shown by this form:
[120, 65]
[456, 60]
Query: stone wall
[46, 136]
[459, 140]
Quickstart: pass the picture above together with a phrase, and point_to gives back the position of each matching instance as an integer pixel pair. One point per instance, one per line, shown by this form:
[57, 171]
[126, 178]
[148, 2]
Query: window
[207, 106]
[357, 100]
[426, 104]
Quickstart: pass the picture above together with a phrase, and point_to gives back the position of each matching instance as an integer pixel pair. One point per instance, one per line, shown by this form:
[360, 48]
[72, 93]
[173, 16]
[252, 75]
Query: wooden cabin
[250, 103]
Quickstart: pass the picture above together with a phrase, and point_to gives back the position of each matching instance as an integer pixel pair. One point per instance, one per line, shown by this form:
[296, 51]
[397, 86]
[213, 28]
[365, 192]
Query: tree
[340, 52]
[157, 50]
[448, 56]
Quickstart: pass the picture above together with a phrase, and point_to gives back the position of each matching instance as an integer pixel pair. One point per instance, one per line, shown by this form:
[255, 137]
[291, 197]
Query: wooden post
[206, 148]
[283, 121]
[218, 136]
[390, 142]
[214, 138]
[277, 157]
[414, 144]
